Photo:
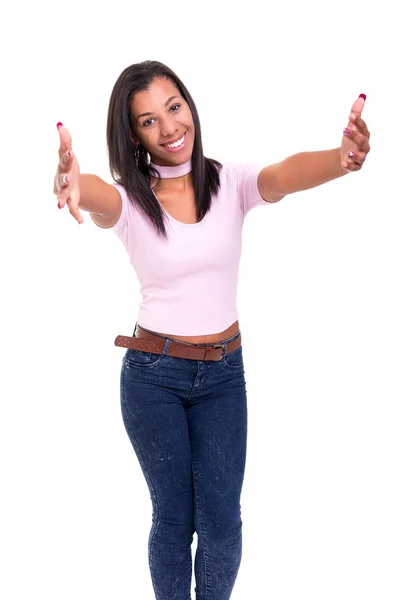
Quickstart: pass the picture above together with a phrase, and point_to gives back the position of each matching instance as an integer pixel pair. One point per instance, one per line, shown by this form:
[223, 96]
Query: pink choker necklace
[173, 171]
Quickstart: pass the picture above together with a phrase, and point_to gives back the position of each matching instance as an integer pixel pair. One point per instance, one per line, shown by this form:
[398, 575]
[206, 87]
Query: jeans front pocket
[234, 360]
[138, 358]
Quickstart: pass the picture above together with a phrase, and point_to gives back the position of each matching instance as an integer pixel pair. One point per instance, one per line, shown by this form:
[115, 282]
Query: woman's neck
[172, 171]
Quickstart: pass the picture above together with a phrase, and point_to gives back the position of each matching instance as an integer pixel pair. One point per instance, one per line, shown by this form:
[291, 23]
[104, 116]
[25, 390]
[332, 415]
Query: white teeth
[176, 144]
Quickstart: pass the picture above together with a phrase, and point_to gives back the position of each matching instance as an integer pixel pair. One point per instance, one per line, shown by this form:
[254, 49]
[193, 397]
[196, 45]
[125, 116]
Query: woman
[183, 393]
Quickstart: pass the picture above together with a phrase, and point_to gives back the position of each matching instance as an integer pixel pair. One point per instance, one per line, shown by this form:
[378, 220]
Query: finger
[65, 195]
[70, 196]
[350, 166]
[61, 181]
[74, 210]
[73, 204]
[357, 157]
[65, 139]
[66, 160]
[360, 140]
[358, 105]
[359, 124]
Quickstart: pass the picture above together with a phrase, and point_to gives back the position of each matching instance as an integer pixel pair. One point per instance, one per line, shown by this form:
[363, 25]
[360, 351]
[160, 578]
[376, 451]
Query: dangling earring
[136, 143]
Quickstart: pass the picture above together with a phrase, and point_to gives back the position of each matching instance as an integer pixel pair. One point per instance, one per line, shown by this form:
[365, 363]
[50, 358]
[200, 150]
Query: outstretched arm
[309, 169]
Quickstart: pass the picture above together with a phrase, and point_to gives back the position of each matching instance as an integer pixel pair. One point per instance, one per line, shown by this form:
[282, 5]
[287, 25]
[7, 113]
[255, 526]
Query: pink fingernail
[346, 131]
[363, 96]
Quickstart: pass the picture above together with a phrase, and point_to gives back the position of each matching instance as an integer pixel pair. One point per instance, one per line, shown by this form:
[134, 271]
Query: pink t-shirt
[189, 282]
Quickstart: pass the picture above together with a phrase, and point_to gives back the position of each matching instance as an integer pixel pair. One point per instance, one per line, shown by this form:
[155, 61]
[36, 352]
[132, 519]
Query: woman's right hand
[66, 180]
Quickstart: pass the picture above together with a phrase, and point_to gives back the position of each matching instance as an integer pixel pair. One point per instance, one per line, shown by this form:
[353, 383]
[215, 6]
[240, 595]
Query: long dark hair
[129, 164]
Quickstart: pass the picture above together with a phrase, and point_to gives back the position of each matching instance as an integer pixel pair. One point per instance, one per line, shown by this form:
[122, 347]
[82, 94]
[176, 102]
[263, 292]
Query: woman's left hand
[355, 145]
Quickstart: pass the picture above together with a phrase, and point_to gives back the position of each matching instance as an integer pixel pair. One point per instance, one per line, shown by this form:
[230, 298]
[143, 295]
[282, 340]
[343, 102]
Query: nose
[168, 127]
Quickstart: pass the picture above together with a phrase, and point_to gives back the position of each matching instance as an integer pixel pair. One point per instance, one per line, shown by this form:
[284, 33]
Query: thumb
[65, 139]
[359, 105]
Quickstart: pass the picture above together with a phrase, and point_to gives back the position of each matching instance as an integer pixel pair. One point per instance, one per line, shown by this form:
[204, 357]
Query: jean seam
[155, 525]
[225, 364]
[129, 362]
[122, 384]
[206, 572]
[132, 365]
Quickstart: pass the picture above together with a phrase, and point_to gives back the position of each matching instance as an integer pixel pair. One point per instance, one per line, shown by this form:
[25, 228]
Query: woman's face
[162, 117]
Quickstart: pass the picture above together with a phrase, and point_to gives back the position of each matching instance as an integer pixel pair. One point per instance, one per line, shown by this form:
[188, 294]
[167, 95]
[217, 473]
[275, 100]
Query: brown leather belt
[148, 342]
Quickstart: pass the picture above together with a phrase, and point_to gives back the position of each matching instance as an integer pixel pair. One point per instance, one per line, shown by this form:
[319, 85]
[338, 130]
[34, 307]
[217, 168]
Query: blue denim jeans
[187, 422]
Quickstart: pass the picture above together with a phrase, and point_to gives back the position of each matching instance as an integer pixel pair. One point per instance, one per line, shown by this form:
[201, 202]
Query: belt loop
[134, 331]
[225, 349]
[166, 346]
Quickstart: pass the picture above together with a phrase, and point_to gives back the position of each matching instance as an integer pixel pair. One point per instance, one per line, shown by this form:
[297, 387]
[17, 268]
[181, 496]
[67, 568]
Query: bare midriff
[213, 338]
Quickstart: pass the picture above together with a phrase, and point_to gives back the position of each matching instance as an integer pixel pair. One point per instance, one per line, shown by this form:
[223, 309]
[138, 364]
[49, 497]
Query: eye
[147, 123]
[176, 107]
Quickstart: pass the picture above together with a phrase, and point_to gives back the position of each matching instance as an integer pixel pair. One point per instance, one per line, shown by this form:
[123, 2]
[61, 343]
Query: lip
[173, 141]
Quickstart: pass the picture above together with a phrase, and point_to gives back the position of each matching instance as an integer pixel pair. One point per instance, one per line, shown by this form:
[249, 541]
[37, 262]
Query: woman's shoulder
[240, 171]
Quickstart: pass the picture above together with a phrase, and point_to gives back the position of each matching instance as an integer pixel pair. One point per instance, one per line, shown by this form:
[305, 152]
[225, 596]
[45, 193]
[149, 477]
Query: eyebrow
[150, 113]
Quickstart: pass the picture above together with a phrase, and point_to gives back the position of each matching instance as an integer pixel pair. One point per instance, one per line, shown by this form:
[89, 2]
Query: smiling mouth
[177, 144]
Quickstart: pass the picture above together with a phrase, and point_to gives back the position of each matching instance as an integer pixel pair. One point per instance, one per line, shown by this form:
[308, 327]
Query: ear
[135, 142]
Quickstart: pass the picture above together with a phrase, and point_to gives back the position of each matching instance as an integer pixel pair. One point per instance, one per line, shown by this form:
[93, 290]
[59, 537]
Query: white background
[318, 298]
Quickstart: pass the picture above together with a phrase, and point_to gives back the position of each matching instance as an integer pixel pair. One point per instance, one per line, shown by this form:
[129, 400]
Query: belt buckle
[219, 346]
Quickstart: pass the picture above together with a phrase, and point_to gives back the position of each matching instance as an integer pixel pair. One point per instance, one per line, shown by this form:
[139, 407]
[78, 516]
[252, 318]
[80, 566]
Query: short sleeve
[245, 176]
[123, 227]
[122, 222]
